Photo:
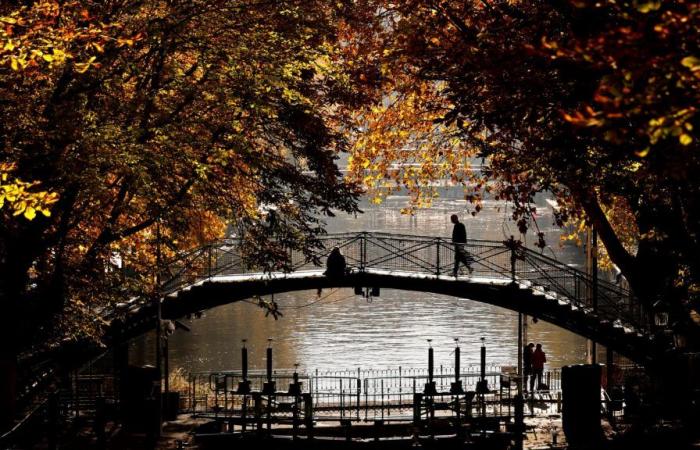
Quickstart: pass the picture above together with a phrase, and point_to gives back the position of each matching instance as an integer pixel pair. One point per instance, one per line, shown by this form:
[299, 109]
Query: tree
[595, 102]
[191, 115]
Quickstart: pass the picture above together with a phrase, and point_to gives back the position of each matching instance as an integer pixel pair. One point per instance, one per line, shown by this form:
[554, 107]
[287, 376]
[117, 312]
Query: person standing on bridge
[459, 239]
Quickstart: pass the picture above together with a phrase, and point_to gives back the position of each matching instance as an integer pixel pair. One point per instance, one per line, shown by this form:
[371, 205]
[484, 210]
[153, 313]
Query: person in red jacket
[538, 360]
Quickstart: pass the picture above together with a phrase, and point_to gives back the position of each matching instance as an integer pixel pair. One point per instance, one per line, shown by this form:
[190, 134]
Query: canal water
[340, 330]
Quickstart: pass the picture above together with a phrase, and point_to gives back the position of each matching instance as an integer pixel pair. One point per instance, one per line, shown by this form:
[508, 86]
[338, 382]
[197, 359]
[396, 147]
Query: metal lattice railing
[491, 260]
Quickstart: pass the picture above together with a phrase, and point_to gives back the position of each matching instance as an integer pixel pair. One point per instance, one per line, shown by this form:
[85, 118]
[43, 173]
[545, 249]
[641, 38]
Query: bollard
[482, 386]
[430, 385]
[456, 387]
[244, 361]
[483, 360]
[295, 390]
[269, 364]
[457, 361]
[269, 387]
[244, 385]
[430, 362]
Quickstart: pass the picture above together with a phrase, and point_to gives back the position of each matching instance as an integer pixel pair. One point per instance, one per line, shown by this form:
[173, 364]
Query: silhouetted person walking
[538, 360]
[459, 239]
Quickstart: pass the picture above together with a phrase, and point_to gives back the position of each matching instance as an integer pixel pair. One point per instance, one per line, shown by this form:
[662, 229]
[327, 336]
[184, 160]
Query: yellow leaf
[648, 6]
[691, 62]
[685, 139]
[643, 153]
[14, 64]
[30, 213]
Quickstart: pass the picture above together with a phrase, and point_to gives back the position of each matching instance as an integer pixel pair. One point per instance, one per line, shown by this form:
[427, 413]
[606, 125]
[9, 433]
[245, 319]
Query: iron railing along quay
[356, 395]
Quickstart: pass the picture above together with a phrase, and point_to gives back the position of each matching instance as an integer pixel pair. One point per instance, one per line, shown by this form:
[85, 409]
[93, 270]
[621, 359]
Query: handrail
[421, 254]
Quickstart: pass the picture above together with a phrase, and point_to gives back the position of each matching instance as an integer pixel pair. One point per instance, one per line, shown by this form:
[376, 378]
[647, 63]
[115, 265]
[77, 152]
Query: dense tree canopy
[198, 115]
[593, 101]
[194, 115]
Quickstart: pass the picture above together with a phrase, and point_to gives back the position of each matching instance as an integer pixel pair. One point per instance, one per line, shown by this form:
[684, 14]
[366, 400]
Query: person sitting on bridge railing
[459, 239]
[335, 264]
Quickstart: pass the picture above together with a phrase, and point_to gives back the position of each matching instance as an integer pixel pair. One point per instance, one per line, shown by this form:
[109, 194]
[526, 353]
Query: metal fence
[357, 395]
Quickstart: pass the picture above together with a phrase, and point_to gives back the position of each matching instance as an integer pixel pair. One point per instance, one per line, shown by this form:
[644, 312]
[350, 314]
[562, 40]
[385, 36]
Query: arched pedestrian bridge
[506, 274]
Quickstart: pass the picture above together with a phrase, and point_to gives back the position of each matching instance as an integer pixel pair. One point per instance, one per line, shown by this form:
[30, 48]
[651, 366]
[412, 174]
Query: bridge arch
[506, 275]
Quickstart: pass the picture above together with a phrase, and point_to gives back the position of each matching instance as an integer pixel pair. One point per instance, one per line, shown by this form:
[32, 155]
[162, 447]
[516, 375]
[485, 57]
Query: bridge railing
[498, 261]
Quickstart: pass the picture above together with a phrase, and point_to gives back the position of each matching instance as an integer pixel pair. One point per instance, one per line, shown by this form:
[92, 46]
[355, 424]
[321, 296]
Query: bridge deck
[506, 274]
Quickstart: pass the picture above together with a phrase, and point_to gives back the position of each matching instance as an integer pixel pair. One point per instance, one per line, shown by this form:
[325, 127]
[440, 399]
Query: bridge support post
[437, 257]
[363, 252]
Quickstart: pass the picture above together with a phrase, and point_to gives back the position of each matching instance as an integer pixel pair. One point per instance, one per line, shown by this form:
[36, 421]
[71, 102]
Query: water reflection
[340, 330]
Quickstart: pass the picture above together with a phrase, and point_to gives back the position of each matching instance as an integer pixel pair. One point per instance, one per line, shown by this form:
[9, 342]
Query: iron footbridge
[505, 274]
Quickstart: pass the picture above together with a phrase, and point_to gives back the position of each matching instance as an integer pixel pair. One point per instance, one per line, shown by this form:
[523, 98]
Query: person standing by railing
[527, 364]
[538, 360]
[459, 239]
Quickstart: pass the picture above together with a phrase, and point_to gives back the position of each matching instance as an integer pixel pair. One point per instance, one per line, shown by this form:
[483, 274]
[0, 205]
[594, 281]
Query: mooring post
[430, 363]
[269, 361]
[457, 355]
[457, 390]
[244, 386]
[295, 388]
[482, 388]
[430, 389]
[269, 387]
[244, 361]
